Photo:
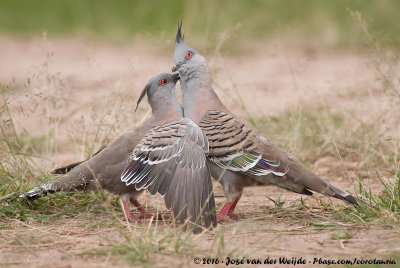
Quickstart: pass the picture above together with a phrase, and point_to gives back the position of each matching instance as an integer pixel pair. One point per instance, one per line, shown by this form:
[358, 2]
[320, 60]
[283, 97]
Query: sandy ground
[95, 82]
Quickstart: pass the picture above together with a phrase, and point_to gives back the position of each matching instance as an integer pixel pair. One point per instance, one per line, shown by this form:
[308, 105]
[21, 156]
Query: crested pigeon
[239, 155]
[164, 154]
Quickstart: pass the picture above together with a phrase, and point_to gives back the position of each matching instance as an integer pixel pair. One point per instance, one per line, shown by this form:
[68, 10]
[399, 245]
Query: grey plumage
[170, 160]
[104, 168]
[239, 155]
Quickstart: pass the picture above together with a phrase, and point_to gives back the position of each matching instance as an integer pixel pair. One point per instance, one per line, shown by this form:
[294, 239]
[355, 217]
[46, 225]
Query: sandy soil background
[78, 85]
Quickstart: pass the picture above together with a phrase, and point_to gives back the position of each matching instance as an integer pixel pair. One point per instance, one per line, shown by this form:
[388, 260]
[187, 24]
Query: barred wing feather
[170, 160]
[233, 146]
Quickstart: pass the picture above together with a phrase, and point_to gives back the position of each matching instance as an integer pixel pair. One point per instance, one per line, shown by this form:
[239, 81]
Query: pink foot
[143, 212]
[221, 218]
[233, 216]
[128, 213]
[227, 212]
[223, 212]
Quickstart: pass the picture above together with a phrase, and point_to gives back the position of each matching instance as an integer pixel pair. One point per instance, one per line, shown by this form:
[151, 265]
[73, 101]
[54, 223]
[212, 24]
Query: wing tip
[349, 199]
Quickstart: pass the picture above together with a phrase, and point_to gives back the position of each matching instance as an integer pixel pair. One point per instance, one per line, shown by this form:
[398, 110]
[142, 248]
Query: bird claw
[227, 211]
[233, 216]
[221, 218]
[228, 217]
[141, 217]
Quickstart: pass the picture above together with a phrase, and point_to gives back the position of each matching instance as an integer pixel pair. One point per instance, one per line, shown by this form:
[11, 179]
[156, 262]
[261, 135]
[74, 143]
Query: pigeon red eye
[189, 55]
[163, 81]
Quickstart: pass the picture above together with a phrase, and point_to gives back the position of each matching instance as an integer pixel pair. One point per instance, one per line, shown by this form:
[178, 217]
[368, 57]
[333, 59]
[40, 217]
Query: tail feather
[349, 198]
[39, 191]
[303, 180]
[306, 186]
[71, 182]
[338, 193]
[285, 182]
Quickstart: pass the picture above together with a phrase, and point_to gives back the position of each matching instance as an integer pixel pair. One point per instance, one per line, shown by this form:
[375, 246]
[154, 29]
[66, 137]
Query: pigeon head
[160, 87]
[186, 59]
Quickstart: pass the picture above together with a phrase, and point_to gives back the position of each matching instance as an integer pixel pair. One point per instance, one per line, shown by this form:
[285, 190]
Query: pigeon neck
[167, 109]
[198, 96]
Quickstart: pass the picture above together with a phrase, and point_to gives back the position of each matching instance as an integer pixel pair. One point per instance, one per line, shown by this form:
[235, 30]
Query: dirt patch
[259, 234]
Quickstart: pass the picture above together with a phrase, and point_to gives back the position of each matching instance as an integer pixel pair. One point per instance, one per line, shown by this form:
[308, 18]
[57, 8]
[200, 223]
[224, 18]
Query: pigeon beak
[175, 77]
[176, 67]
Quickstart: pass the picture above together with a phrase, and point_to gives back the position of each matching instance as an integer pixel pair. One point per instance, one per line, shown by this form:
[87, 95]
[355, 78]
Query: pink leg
[228, 210]
[143, 212]
[224, 211]
[231, 210]
[128, 212]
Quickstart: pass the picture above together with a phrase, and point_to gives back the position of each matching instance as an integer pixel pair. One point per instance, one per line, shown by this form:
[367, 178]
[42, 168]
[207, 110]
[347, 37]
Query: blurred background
[328, 23]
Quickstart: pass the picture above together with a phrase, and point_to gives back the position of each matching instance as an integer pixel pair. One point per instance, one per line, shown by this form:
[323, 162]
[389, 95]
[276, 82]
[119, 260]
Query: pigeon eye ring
[163, 81]
[189, 55]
